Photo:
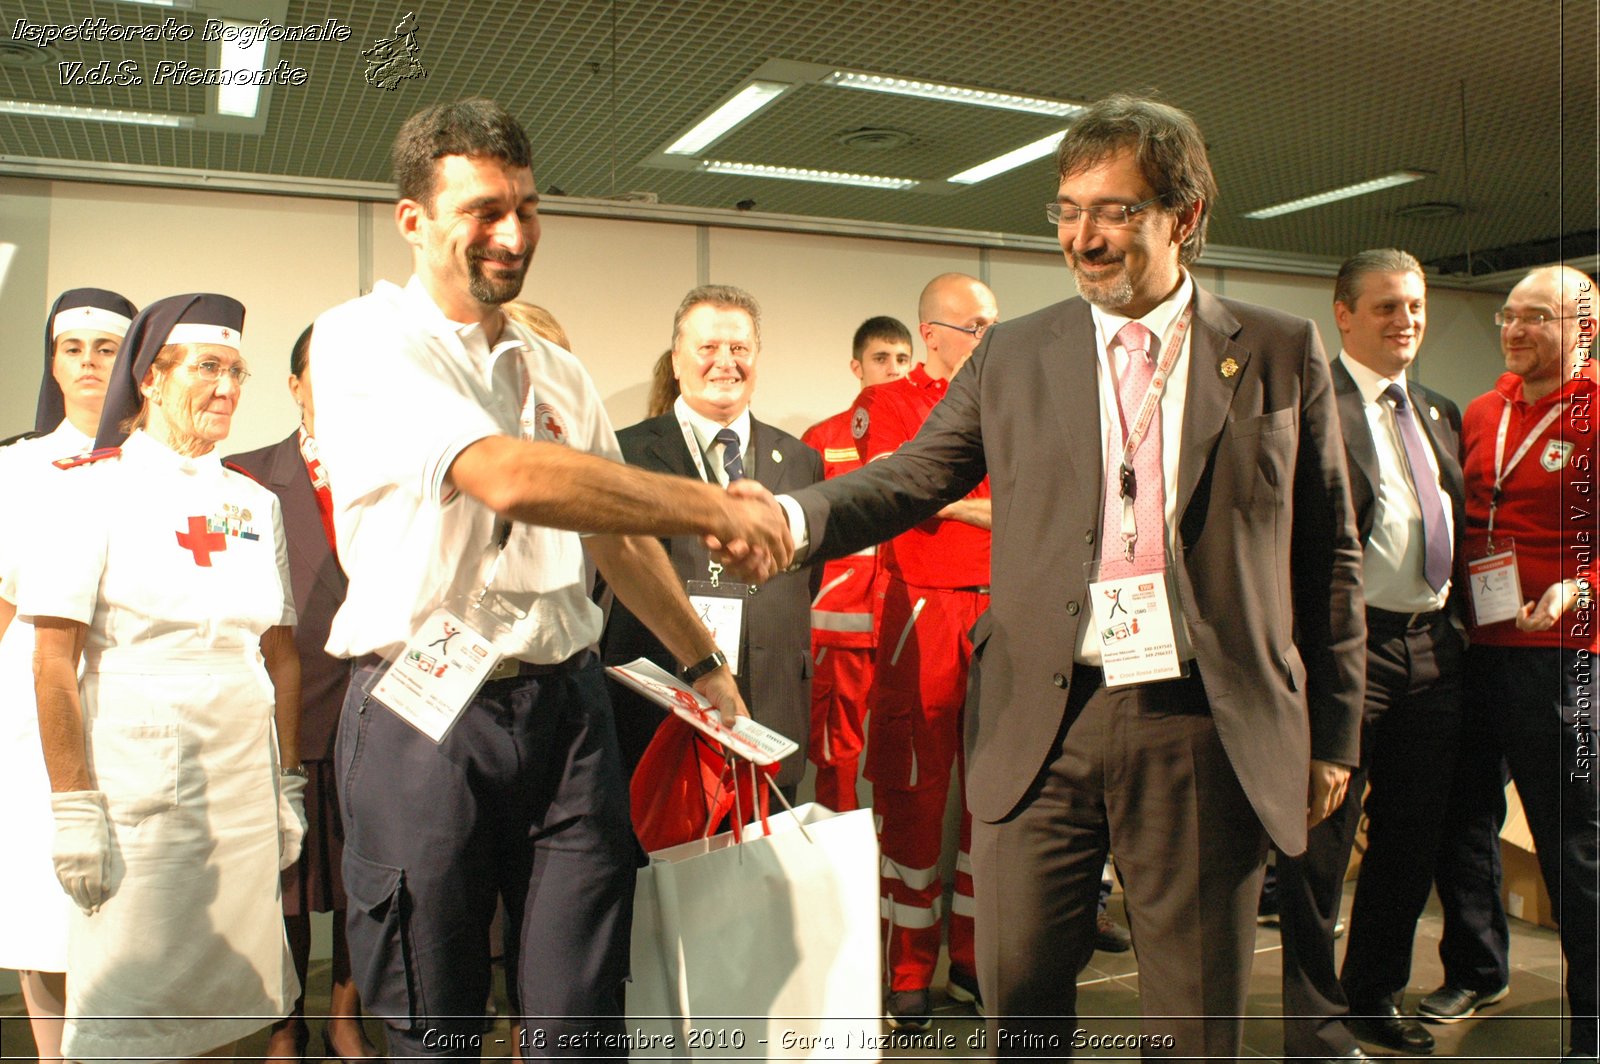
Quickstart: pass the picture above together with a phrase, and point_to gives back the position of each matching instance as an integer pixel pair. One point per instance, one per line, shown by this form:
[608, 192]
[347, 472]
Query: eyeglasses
[1533, 318]
[974, 331]
[211, 371]
[1103, 215]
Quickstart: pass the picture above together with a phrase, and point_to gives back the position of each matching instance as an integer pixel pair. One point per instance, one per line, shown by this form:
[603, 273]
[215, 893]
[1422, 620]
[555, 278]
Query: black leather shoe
[1383, 1023]
[1452, 1004]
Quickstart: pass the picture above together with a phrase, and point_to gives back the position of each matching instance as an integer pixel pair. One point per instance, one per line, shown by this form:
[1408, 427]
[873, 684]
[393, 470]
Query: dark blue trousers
[524, 800]
[1531, 709]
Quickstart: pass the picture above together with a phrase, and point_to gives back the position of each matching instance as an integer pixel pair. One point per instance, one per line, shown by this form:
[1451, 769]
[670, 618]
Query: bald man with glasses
[938, 585]
[1528, 456]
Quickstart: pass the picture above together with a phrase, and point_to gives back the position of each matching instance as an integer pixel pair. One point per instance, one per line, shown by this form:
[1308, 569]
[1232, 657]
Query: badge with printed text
[440, 670]
[1556, 453]
[1134, 629]
[1496, 589]
[720, 607]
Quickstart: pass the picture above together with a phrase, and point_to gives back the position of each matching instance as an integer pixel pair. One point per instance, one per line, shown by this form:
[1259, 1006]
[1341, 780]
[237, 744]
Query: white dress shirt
[401, 391]
[704, 432]
[1111, 363]
[1392, 562]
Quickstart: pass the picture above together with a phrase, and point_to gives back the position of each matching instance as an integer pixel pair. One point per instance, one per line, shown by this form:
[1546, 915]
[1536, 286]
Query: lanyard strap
[1503, 468]
[1134, 436]
[695, 453]
[1171, 347]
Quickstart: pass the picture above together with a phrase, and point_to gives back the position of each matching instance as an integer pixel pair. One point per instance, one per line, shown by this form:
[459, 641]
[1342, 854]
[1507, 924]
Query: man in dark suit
[1242, 505]
[315, 883]
[716, 342]
[1402, 443]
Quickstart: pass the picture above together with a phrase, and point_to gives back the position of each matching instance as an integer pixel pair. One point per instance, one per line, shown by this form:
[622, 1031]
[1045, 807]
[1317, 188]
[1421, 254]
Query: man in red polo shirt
[1530, 465]
[844, 613]
[938, 585]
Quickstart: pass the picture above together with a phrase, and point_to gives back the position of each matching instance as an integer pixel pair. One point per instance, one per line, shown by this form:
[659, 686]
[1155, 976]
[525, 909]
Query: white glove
[82, 848]
[291, 818]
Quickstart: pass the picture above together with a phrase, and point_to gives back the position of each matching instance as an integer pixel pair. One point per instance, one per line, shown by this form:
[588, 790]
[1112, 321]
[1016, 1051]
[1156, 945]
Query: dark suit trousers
[523, 800]
[1535, 707]
[1142, 772]
[1408, 743]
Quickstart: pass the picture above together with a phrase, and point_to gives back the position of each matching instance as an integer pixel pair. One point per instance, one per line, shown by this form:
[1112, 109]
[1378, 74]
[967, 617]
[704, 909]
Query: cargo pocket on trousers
[380, 941]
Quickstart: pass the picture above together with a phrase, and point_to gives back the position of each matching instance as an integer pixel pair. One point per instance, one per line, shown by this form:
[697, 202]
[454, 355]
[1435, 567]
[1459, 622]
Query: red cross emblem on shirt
[201, 542]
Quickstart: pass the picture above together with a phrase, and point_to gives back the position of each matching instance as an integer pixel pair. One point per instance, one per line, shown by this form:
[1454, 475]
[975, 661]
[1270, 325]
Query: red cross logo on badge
[547, 424]
[1555, 455]
[858, 422]
[201, 541]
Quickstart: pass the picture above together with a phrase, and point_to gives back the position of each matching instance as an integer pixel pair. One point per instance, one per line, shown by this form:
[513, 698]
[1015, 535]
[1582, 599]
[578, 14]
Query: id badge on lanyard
[1493, 579]
[449, 657]
[1135, 627]
[1135, 616]
[720, 606]
[1496, 588]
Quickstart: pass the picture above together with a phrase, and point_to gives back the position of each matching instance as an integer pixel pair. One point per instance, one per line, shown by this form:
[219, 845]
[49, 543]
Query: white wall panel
[286, 259]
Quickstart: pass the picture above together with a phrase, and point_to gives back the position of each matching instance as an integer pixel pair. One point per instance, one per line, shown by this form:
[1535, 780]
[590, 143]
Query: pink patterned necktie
[1149, 497]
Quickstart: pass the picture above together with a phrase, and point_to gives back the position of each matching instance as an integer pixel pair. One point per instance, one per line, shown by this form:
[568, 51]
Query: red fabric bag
[686, 785]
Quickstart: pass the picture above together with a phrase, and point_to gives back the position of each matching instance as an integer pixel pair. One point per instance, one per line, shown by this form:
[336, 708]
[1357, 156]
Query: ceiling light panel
[744, 103]
[29, 109]
[800, 173]
[929, 90]
[1009, 161]
[1360, 188]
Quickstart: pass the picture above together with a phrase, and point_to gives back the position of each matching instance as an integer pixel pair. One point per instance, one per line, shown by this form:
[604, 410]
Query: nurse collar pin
[1228, 367]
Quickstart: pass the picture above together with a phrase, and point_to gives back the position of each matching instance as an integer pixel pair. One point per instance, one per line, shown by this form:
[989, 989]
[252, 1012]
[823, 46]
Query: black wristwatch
[711, 663]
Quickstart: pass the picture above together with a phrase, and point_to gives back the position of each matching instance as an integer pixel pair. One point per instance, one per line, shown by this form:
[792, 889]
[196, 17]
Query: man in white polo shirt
[465, 456]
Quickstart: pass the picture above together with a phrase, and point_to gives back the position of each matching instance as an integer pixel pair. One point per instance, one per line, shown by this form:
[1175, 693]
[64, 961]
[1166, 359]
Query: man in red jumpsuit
[938, 585]
[844, 614]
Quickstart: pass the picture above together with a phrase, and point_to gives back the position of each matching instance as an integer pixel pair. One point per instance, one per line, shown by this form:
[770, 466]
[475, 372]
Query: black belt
[1390, 621]
[507, 669]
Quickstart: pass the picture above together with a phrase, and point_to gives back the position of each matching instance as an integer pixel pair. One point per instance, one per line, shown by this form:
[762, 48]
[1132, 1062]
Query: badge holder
[447, 660]
[1135, 626]
[720, 606]
[1496, 590]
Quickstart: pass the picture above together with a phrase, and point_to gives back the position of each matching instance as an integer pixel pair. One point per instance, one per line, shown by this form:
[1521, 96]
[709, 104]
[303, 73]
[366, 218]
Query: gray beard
[1108, 294]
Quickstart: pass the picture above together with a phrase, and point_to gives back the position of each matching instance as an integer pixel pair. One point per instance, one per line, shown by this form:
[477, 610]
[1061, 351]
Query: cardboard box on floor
[1522, 889]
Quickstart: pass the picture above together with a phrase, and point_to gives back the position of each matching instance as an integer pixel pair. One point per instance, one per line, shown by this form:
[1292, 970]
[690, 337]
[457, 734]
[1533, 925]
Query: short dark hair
[1165, 141]
[723, 297]
[475, 128]
[882, 327]
[300, 353]
[1347, 287]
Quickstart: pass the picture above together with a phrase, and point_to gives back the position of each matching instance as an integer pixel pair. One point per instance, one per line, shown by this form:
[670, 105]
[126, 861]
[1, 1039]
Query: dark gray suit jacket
[775, 666]
[319, 587]
[1269, 571]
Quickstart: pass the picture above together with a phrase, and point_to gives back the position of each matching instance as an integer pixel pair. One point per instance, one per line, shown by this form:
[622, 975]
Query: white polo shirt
[401, 390]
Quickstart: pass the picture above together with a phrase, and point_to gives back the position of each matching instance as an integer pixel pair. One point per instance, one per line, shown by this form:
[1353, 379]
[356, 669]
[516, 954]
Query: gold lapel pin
[1228, 367]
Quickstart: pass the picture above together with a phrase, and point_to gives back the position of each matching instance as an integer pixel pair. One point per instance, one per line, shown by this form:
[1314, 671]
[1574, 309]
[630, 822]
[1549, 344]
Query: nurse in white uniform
[80, 344]
[175, 805]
